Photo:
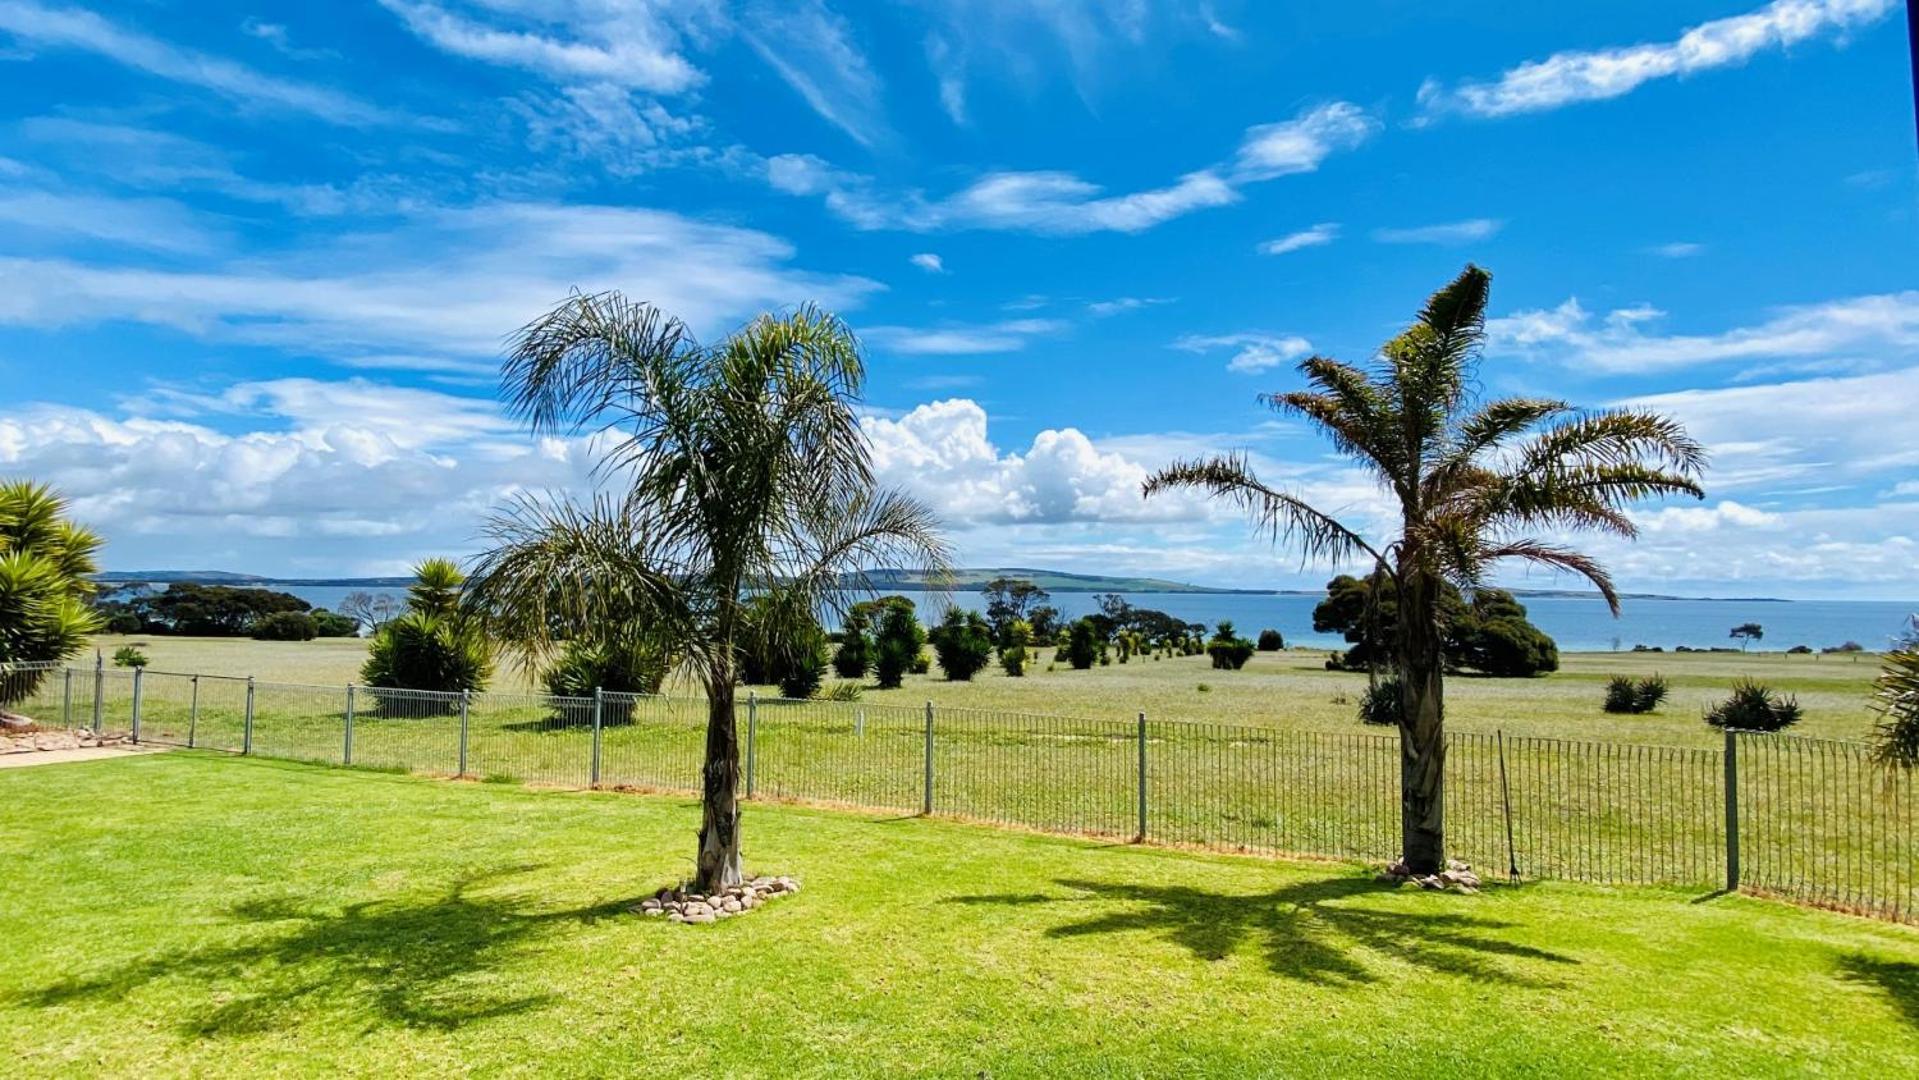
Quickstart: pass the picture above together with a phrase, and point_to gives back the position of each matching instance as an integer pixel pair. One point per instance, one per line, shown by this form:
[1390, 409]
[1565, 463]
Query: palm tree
[1895, 697]
[1472, 481]
[744, 472]
[45, 584]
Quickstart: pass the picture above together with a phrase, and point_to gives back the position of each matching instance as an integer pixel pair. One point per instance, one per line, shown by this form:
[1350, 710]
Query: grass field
[1289, 690]
[186, 914]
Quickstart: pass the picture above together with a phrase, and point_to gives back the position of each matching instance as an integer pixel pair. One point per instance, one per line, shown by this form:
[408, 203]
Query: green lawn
[1290, 690]
[191, 914]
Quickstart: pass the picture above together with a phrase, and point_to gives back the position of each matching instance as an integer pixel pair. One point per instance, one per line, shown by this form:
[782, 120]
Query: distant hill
[967, 580]
[971, 578]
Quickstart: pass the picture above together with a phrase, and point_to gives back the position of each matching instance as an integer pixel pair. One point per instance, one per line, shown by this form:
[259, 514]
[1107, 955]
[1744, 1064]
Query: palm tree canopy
[1476, 482]
[743, 467]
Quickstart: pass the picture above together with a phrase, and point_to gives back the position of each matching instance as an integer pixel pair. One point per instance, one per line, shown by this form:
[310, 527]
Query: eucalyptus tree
[1472, 482]
[731, 470]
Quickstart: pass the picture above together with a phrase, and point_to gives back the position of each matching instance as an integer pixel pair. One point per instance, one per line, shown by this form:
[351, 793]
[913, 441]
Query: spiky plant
[1473, 483]
[45, 589]
[1895, 697]
[745, 472]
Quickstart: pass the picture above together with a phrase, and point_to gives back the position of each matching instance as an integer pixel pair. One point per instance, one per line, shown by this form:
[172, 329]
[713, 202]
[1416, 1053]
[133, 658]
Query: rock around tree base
[1457, 877]
[685, 906]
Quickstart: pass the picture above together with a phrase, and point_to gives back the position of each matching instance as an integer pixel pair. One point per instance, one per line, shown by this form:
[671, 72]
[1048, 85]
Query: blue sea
[1578, 624]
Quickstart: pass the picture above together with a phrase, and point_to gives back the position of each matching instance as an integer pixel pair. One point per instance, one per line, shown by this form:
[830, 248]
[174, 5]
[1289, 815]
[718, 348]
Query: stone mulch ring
[685, 906]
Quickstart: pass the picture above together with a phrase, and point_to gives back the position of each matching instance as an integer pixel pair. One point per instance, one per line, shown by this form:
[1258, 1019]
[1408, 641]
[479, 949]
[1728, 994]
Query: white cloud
[626, 133]
[1316, 236]
[1063, 204]
[1254, 352]
[78, 28]
[1678, 249]
[928, 262]
[812, 48]
[627, 44]
[276, 35]
[1468, 231]
[447, 282]
[1886, 323]
[941, 452]
[1119, 305]
[1581, 75]
[1831, 431]
[151, 224]
[1010, 335]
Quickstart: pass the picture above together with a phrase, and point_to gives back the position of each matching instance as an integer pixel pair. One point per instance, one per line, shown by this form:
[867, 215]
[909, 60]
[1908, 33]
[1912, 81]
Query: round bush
[285, 626]
[1381, 704]
[1270, 641]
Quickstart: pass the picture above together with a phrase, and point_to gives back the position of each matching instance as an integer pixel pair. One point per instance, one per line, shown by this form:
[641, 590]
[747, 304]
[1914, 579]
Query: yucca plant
[45, 563]
[1754, 706]
[1895, 697]
[437, 644]
[1473, 482]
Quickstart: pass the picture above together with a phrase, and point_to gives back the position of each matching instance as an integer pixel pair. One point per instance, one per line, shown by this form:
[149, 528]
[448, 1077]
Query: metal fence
[1808, 819]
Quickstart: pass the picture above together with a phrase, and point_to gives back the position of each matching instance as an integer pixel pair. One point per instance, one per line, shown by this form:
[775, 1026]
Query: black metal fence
[1808, 819]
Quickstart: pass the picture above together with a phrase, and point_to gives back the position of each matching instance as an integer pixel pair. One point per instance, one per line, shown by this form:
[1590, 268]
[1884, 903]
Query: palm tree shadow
[417, 964]
[1898, 978]
[1311, 931]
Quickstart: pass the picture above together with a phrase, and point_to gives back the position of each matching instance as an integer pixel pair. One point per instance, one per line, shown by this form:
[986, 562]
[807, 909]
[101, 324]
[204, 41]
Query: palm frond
[567, 367]
[1615, 437]
[1895, 697]
[1286, 518]
[1558, 558]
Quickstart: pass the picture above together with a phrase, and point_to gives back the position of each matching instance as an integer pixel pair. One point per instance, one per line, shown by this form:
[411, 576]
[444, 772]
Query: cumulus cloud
[1253, 352]
[928, 262]
[1052, 202]
[942, 453]
[1886, 324]
[1565, 78]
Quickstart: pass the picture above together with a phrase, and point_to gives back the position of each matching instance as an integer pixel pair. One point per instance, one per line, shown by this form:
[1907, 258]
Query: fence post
[138, 673]
[246, 733]
[193, 712]
[99, 691]
[926, 802]
[66, 699]
[599, 702]
[1732, 811]
[346, 751]
[1141, 838]
[752, 735]
[464, 695]
[1506, 802]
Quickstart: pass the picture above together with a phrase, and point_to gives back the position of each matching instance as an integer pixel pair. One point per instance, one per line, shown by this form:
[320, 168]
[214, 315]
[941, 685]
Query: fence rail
[1807, 819]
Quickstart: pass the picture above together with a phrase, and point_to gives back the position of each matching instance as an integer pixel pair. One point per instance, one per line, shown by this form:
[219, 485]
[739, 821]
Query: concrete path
[23, 758]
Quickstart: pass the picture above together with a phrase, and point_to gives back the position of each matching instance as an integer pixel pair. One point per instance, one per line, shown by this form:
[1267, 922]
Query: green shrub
[333, 624]
[419, 651]
[896, 647]
[584, 666]
[1754, 707]
[1381, 704]
[1270, 641]
[285, 626]
[1799, 650]
[854, 656]
[1628, 695]
[1013, 661]
[803, 674]
[1229, 651]
[843, 691]
[964, 643]
[128, 656]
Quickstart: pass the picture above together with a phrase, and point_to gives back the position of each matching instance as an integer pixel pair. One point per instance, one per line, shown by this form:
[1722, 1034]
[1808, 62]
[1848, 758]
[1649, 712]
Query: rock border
[1457, 877]
[682, 905]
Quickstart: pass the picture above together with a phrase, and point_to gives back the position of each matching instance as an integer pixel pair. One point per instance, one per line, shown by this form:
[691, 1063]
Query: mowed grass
[1290, 689]
[187, 914]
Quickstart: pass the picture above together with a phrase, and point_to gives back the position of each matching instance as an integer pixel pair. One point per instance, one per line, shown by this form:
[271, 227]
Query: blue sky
[256, 261]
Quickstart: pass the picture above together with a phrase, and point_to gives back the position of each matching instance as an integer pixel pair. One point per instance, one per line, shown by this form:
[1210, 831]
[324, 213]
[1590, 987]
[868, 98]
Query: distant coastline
[965, 580]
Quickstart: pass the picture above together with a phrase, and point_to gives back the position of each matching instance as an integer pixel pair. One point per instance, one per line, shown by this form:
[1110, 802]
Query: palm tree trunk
[1422, 729]
[719, 865]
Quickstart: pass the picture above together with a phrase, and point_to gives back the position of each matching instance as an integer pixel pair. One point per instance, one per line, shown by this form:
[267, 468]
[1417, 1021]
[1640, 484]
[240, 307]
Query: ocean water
[1578, 624]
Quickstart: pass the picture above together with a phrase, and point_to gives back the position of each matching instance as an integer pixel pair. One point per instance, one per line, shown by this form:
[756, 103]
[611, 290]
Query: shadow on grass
[1312, 930]
[1898, 978]
[406, 963]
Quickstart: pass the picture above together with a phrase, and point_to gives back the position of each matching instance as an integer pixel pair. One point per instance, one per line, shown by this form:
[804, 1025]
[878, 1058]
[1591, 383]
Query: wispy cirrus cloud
[43, 27]
[1253, 351]
[1447, 233]
[1619, 341]
[960, 339]
[1063, 204]
[1573, 76]
[813, 49]
[1317, 236]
